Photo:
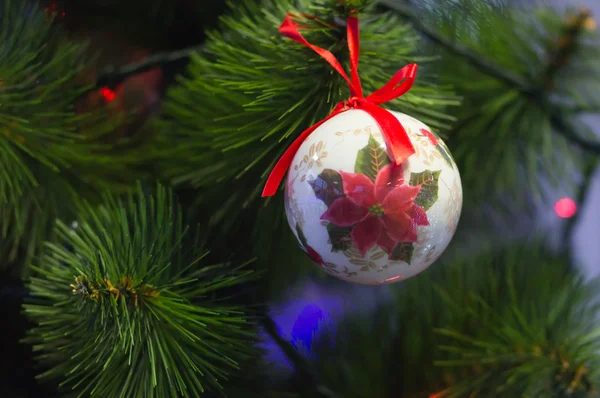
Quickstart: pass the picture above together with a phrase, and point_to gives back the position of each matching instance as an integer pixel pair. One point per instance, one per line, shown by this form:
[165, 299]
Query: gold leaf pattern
[330, 268]
[369, 261]
[423, 147]
[368, 131]
[315, 154]
[378, 255]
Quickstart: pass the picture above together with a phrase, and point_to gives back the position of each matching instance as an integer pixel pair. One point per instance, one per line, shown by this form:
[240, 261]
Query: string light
[107, 93]
[565, 208]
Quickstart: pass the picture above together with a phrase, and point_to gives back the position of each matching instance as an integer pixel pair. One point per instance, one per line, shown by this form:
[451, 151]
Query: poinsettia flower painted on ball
[382, 214]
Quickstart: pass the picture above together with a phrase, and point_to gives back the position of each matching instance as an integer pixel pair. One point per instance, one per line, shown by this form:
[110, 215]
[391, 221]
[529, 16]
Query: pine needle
[507, 129]
[48, 149]
[119, 313]
[506, 323]
[251, 91]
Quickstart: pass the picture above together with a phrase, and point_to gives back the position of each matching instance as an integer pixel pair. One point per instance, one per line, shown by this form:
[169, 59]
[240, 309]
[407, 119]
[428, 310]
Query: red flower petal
[366, 234]
[418, 215]
[398, 225]
[410, 235]
[386, 242]
[344, 213]
[400, 199]
[359, 189]
[388, 178]
[431, 137]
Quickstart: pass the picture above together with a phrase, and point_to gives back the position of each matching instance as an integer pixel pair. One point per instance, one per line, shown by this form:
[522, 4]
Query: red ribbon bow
[394, 134]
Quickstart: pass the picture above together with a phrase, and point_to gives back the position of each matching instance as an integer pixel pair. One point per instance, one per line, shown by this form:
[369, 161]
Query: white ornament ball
[360, 217]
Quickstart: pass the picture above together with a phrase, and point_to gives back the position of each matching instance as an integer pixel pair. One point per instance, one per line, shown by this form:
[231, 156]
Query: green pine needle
[503, 133]
[49, 152]
[122, 310]
[252, 91]
[514, 323]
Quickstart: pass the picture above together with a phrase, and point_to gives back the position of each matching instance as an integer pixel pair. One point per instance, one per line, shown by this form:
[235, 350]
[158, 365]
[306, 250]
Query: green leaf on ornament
[428, 194]
[403, 252]
[371, 159]
[301, 236]
[445, 154]
[339, 237]
[328, 186]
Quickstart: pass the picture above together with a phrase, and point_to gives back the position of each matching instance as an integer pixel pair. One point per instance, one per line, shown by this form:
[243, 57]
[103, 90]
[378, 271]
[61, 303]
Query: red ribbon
[394, 134]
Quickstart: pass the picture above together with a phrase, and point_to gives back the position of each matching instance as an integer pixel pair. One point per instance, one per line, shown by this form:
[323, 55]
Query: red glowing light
[565, 208]
[107, 93]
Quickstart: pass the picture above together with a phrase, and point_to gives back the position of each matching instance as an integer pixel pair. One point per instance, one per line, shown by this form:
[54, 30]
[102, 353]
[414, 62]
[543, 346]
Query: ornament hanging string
[395, 136]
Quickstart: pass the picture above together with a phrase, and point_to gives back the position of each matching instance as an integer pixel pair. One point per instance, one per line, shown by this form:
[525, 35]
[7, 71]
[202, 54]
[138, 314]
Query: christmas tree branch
[475, 59]
[309, 379]
[567, 44]
[131, 308]
[580, 199]
[573, 28]
[113, 76]
[561, 125]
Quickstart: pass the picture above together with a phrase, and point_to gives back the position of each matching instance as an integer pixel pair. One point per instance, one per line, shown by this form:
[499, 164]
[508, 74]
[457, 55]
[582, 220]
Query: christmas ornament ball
[362, 218]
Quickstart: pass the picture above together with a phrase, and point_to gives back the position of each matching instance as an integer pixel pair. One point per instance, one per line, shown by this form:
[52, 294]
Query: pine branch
[122, 309]
[111, 76]
[562, 126]
[50, 151]
[39, 89]
[477, 60]
[510, 323]
[581, 199]
[573, 29]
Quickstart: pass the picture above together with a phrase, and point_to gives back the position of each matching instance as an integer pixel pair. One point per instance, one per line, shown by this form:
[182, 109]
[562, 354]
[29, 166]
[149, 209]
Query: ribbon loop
[399, 84]
[397, 141]
[290, 30]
